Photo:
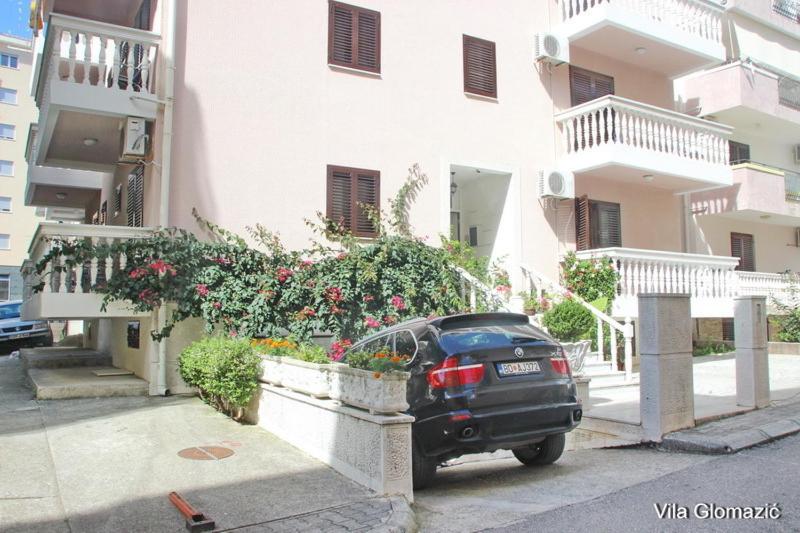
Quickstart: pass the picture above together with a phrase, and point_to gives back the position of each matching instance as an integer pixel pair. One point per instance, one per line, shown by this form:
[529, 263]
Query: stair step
[80, 382]
[610, 381]
[58, 357]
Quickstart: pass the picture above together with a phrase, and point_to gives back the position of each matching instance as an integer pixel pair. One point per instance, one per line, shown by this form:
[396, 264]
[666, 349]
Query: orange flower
[396, 359]
[380, 355]
[377, 375]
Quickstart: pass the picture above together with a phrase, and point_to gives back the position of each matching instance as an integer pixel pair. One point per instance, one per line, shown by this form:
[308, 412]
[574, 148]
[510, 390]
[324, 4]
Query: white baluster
[130, 66]
[116, 66]
[600, 346]
[72, 55]
[602, 126]
[145, 69]
[87, 58]
[102, 66]
[612, 348]
[628, 335]
[94, 263]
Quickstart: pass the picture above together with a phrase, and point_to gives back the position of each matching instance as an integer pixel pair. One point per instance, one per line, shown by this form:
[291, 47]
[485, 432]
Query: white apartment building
[18, 110]
[544, 125]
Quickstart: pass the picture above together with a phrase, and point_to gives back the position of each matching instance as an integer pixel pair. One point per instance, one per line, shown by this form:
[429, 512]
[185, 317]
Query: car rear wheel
[542, 453]
[423, 469]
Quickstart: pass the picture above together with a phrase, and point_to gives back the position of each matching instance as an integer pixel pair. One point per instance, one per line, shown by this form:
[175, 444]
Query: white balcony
[626, 140]
[712, 281]
[673, 37]
[90, 76]
[67, 291]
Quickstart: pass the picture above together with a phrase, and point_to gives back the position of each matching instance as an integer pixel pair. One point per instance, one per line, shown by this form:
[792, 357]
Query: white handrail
[625, 329]
[477, 285]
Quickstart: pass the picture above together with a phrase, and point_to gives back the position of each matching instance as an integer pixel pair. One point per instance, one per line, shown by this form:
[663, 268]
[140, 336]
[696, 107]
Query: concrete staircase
[604, 375]
[61, 373]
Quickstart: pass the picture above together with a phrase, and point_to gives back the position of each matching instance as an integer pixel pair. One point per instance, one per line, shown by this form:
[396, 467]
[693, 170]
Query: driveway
[108, 464]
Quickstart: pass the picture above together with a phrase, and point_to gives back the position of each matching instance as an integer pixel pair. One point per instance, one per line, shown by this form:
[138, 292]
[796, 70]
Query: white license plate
[518, 369]
[19, 336]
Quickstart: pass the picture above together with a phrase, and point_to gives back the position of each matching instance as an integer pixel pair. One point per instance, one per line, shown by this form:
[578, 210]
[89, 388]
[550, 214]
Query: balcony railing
[698, 18]
[616, 121]
[787, 8]
[67, 286]
[712, 281]
[91, 53]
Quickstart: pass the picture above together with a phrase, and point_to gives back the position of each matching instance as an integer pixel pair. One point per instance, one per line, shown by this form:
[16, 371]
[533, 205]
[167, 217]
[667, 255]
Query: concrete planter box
[309, 378]
[784, 348]
[270, 369]
[360, 388]
[582, 384]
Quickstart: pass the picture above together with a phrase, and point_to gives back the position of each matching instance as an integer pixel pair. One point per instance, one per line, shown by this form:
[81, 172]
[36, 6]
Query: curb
[692, 441]
[401, 520]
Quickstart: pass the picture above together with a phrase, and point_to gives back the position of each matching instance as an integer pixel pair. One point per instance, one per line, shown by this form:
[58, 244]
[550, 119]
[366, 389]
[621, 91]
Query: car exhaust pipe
[468, 432]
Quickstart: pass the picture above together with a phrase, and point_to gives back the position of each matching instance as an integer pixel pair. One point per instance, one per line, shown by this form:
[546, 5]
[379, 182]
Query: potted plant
[530, 303]
[372, 381]
[307, 370]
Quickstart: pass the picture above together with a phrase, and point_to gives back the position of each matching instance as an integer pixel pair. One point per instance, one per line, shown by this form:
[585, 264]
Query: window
[135, 203]
[5, 241]
[8, 132]
[354, 37]
[7, 60]
[739, 152]
[473, 236]
[597, 224]
[118, 199]
[585, 85]
[480, 67]
[349, 190]
[104, 213]
[5, 295]
[728, 330]
[742, 246]
[405, 343]
[789, 92]
[8, 96]
[6, 168]
[5, 204]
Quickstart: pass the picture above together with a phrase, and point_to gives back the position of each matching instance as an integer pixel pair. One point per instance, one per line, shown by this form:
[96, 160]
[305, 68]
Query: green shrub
[310, 353]
[790, 326]
[224, 369]
[569, 321]
[712, 349]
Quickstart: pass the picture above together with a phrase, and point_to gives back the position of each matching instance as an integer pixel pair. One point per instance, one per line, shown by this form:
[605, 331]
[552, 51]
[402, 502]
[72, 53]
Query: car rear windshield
[9, 311]
[489, 337]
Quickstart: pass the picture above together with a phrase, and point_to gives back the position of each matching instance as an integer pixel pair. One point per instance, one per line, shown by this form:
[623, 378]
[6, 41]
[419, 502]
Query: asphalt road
[760, 476]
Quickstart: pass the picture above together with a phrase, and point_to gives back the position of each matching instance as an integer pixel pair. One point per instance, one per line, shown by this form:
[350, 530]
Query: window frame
[751, 237]
[13, 129]
[10, 205]
[465, 39]
[354, 207]
[11, 165]
[8, 235]
[10, 57]
[356, 13]
[5, 279]
[593, 75]
[8, 90]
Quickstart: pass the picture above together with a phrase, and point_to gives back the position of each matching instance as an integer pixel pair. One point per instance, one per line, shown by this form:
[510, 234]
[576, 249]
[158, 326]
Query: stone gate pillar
[666, 389]
[752, 359]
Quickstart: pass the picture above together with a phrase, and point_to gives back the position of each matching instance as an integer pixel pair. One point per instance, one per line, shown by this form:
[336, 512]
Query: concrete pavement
[755, 477]
[108, 464]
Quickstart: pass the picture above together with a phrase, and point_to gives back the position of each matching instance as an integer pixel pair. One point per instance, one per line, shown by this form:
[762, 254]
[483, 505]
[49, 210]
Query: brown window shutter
[582, 224]
[135, 203]
[743, 247]
[349, 191]
[586, 85]
[480, 67]
[354, 37]
[606, 227]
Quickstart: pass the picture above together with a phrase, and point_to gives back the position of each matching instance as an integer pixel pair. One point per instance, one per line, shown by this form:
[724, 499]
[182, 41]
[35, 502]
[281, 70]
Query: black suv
[479, 383]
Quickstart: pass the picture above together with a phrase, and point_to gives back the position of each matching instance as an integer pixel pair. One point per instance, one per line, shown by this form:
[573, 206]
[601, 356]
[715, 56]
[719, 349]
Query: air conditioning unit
[556, 184]
[797, 154]
[552, 48]
[134, 139]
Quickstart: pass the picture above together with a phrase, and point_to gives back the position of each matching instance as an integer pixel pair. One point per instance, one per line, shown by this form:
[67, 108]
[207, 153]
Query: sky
[14, 18]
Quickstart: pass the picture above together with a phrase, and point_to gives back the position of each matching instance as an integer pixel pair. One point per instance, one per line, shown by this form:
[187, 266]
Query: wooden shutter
[354, 37]
[135, 203]
[480, 67]
[349, 191]
[583, 240]
[739, 152]
[605, 224]
[586, 85]
[742, 246]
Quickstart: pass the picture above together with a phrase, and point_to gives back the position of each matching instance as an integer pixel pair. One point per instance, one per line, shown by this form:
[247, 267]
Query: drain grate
[205, 453]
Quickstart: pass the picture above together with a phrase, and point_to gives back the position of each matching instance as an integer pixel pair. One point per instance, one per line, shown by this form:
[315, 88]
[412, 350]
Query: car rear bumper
[503, 428]
[26, 338]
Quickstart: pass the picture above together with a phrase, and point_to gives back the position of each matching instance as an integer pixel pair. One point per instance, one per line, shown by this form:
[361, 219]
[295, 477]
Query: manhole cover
[206, 453]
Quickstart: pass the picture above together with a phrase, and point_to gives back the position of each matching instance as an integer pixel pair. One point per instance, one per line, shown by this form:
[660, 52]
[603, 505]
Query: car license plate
[19, 336]
[518, 368]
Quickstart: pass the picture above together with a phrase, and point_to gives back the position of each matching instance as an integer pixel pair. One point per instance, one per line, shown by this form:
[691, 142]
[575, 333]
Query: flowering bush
[591, 279]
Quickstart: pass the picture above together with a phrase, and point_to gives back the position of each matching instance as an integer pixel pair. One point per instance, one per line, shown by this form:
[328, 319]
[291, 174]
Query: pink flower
[338, 348]
[368, 298]
[371, 322]
[149, 296]
[341, 256]
[306, 263]
[336, 310]
[137, 273]
[233, 333]
[398, 302]
[503, 288]
[217, 305]
[389, 320]
[221, 260]
[307, 311]
[284, 274]
[333, 294]
[201, 289]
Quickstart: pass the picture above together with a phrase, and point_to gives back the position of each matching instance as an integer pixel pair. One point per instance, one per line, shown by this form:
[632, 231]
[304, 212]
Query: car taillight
[560, 365]
[449, 374]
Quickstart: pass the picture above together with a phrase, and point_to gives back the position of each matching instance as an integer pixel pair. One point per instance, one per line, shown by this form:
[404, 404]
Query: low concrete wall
[373, 450]
[786, 348]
